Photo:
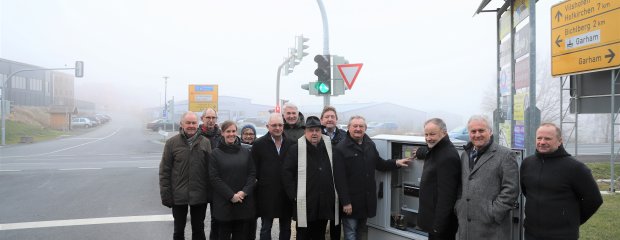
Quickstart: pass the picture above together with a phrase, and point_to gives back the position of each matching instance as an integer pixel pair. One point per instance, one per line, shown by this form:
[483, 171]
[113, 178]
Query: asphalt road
[100, 183]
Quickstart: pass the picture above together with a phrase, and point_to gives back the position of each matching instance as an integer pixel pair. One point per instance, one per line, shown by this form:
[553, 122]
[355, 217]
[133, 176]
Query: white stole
[302, 158]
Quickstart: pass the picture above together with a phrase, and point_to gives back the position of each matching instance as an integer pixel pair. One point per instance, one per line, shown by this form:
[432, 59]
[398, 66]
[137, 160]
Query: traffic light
[79, 69]
[323, 72]
[301, 46]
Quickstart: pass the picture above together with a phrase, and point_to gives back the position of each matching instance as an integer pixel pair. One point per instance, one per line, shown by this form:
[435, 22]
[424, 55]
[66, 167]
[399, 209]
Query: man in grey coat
[490, 185]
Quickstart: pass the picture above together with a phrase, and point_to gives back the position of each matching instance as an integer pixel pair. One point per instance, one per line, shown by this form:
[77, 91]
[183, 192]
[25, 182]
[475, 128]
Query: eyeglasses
[248, 134]
[276, 125]
[210, 117]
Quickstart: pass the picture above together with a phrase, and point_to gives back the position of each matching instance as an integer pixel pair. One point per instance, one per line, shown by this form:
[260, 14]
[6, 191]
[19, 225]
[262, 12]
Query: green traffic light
[323, 88]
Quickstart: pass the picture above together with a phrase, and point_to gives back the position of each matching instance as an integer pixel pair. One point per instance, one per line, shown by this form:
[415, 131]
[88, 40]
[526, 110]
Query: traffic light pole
[4, 92]
[286, 60]
[325, 40]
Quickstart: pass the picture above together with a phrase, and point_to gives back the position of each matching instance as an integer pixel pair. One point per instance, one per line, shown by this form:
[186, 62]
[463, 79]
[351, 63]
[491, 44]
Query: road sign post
[585, 36]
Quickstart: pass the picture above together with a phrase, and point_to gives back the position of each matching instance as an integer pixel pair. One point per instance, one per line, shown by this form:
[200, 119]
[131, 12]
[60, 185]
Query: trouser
[197, 213]
[252, 229]
[334, 230]
[267, 223]
[213, 235]
[354, 228]
[235, 230]
[314, 231]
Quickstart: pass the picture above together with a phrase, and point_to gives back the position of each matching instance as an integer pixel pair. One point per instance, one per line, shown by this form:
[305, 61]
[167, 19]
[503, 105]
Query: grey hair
[357, 117]
[204, 112]
[290, 105]
[274, 116]
[482, 118]
[437, 121]
[187, 113]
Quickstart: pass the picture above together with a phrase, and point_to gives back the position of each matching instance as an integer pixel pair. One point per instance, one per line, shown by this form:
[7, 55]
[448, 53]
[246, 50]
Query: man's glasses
[276, 125]
[248, 134]
[210, 117]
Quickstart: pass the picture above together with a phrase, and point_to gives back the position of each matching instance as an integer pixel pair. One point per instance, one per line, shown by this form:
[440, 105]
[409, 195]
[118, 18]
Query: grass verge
[604, 223]
[16, 130]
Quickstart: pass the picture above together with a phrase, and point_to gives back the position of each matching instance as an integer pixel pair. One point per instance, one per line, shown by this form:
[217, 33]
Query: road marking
[148, 167]
[86, 221]
[73, 169]
[9, 170]
[60, 150]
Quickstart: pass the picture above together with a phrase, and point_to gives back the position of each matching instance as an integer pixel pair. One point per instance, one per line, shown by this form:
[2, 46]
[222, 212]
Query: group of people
[310, 171]
[471, 196]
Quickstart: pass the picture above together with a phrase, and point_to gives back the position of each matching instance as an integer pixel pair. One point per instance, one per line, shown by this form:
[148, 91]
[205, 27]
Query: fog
[432, 56]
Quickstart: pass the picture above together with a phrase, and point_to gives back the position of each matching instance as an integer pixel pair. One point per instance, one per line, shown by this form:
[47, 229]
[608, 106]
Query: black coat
[560, 192]
[354, 173]
[320, 192]
[441, 178]
[232, 170]
[271, 199]
[339, 135]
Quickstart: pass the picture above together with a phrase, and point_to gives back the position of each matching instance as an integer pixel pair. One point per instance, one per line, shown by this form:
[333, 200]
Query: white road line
[148, 167]
[73, 169]
[86, 221]
[9, 170]
[60, 150]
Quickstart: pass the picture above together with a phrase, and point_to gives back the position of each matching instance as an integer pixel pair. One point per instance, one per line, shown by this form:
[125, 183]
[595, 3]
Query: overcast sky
[427, 55]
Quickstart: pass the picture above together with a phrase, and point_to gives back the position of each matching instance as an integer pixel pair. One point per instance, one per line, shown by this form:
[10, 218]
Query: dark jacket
[320, 192]
[272, 201]
[231, 171]
[214, 135]
[339, 135]
[441, 178]
[560, 192]
[354, 173]
[295, 131]
[184, 171]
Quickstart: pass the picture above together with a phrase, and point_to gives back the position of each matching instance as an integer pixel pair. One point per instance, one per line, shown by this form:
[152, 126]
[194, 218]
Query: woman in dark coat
[233, 176]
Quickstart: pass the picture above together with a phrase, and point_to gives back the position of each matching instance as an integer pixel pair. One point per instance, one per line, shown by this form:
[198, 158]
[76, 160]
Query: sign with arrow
[585, 36]
[349, 73]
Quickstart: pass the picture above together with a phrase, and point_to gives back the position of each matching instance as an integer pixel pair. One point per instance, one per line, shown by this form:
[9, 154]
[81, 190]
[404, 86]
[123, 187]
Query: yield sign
[349, 73]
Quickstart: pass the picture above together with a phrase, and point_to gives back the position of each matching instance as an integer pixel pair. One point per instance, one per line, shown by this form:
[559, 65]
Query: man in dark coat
[309, 182]
[355, 160]
[329, 120]
[268, 153]
[209, 127]
[210, 130]
[293, 121]
[183, 170]
[441, 177]
[560, 192]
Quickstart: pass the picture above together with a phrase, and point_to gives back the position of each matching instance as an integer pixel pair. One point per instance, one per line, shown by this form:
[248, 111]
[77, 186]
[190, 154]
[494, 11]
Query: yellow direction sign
[202, 97]
[585, 36]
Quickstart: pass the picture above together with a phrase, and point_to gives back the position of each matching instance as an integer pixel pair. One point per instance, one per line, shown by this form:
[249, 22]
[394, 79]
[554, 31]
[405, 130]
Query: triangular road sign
[349, 73]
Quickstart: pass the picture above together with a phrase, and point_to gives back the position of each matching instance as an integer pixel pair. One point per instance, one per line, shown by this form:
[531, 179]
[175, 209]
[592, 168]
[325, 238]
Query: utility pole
[165, 101]
[325, 40]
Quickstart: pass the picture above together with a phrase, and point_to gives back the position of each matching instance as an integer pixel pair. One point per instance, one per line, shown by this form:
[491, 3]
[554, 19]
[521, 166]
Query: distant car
[81, 122]
[459, 133]
[161, 124]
